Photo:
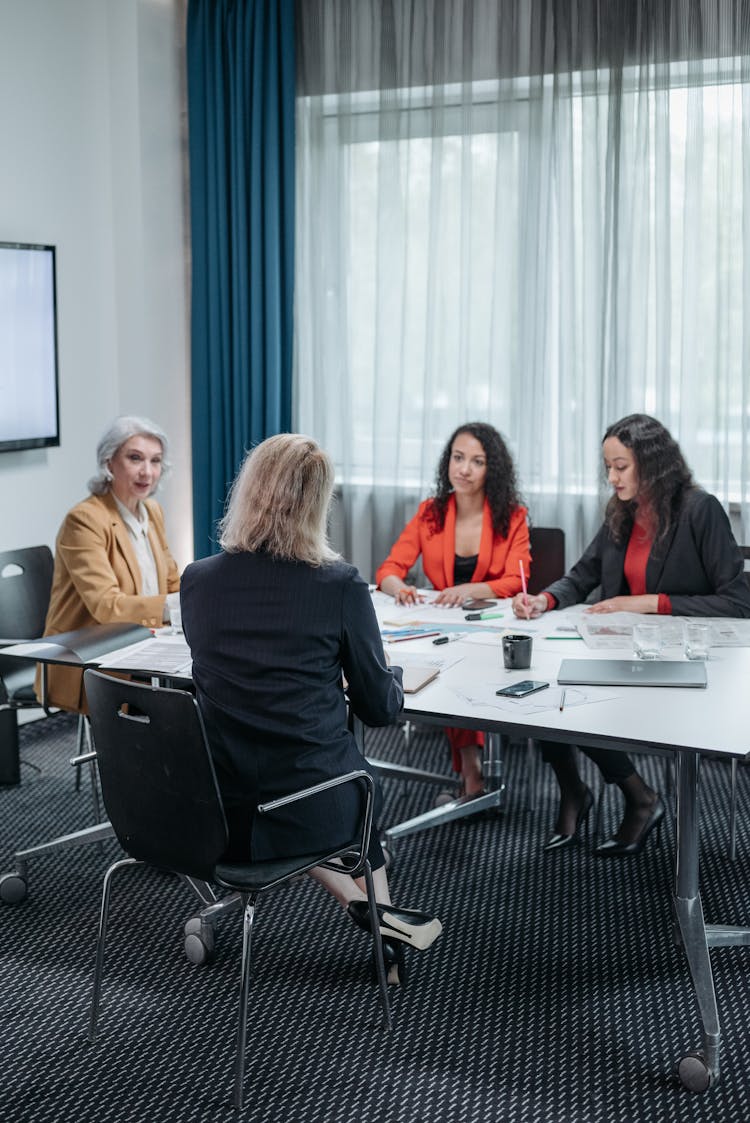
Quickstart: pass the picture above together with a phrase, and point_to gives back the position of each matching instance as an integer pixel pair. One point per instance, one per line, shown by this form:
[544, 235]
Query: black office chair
[163, 801]
[547, 556]
[25, 584]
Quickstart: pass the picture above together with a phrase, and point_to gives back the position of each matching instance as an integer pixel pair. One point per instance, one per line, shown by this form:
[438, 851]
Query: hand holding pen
[529, 607]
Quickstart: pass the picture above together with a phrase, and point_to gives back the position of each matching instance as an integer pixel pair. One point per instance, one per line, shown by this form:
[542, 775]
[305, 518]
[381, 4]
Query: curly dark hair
[663, 475]
[500, 484]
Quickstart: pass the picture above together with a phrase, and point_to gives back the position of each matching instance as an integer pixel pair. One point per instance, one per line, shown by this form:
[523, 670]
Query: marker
[451, 637]
[562, 701]
[484, 616]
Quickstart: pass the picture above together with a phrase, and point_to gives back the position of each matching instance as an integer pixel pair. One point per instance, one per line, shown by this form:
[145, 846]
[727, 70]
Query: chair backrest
[547, 556]
[25, 585]
[158, 781]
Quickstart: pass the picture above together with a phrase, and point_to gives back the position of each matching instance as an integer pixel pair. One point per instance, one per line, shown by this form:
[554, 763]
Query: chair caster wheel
[694, 1073]
[199, 941]
[13, 888]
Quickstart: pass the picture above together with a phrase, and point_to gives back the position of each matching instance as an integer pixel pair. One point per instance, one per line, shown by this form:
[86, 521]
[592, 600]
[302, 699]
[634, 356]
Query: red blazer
[497, 563]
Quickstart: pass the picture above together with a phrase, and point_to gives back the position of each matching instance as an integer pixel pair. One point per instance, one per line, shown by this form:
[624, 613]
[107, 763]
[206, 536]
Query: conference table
[684, 724]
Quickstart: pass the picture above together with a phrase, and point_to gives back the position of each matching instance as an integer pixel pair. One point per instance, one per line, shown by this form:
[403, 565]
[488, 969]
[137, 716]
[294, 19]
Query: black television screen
[29, 410]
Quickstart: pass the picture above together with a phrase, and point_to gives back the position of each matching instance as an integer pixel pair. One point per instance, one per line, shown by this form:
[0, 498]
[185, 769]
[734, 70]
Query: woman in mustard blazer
[473, 538]
[112, 561]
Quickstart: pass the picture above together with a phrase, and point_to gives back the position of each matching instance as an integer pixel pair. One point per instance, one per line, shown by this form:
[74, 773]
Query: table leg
[700, 1069]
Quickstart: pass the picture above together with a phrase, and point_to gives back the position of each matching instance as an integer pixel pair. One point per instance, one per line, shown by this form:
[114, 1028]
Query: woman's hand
[400, 591]
[528, 608]
[646, 603]
[456, 595]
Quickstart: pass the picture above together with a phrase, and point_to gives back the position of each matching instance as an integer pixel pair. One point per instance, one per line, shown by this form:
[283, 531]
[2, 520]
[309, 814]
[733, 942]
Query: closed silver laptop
[631, 672]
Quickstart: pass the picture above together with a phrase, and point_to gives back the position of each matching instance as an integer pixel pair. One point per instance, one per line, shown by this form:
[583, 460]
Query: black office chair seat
[162, 798]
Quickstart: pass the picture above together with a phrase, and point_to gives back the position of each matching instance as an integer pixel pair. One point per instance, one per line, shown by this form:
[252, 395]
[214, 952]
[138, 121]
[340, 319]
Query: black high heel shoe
[416, 929]
[395, 965]
[612, 848]
[557, 841]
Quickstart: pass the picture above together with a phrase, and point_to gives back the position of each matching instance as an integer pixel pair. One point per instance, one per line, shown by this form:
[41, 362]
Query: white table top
[713, 721]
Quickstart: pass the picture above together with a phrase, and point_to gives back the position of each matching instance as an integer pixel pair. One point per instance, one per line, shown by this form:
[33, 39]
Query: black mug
[516, 652]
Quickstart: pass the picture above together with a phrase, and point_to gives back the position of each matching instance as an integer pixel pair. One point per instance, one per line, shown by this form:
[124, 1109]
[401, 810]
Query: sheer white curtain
[527, 213]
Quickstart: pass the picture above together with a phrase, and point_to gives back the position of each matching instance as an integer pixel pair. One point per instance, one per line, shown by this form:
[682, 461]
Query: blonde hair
[279, 501]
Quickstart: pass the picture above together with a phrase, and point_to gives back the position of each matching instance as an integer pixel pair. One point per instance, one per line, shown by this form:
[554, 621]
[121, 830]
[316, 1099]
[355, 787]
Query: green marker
[485, 616]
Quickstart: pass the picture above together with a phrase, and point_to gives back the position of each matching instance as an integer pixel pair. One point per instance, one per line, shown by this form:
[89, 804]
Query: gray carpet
[555, 992]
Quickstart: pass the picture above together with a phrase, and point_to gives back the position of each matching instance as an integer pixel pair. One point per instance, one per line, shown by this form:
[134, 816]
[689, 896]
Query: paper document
[483, 694]
[168, 656]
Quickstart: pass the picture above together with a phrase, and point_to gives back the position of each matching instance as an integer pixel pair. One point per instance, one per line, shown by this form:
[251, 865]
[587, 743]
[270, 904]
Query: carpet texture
[555, 993]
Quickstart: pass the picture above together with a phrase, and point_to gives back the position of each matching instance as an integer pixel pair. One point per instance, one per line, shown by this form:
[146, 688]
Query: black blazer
[269, 641]
[699, 565]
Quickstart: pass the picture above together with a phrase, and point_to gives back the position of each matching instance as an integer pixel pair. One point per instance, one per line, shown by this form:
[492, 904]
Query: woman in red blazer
[473, 538]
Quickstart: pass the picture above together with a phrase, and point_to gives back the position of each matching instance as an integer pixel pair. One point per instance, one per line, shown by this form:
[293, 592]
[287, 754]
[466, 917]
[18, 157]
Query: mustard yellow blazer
[97, 580]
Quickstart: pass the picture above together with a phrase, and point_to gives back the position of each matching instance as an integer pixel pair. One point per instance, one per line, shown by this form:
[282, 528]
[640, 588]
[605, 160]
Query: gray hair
[120, 431]
[279, 501]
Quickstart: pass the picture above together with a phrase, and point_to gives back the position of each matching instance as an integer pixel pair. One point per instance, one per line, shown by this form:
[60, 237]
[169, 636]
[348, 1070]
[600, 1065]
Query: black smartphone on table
[522, 689]
[477, 605]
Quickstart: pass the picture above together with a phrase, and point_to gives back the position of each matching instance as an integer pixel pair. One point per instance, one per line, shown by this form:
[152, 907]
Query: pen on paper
[451, 637]
[562, 701]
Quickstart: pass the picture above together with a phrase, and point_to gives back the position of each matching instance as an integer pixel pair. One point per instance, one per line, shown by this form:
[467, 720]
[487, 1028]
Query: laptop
[631, 672]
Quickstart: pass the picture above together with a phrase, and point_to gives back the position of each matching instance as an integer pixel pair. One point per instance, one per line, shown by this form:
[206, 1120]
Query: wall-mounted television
[29, 408]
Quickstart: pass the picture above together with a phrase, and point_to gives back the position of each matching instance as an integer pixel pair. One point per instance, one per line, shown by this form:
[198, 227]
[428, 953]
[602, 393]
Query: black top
[699, 565]
[269, 641]
[463, 569]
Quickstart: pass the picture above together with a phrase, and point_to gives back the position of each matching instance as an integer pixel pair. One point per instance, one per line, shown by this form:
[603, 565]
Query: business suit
[269, 640]
[97, 580]
[497, 562]
[698, 566]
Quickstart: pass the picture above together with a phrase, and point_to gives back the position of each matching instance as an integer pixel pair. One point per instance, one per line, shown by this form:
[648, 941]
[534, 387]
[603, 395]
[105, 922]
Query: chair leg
[102, 939]
[377, 945]
[80, 737]
[239, 1067]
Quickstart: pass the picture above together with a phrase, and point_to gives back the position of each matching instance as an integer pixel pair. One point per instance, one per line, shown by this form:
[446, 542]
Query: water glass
[175, 620]
[647, 640]
[697, 639]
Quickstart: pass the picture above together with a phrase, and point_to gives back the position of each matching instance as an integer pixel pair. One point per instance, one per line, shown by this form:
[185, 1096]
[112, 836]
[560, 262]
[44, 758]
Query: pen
[523, 586]
[484, 616]
[562, 701]
[451, 637]
[416, 635]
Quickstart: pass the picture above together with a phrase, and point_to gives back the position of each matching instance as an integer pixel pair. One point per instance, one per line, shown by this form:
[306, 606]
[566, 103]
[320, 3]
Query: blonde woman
[275, 624]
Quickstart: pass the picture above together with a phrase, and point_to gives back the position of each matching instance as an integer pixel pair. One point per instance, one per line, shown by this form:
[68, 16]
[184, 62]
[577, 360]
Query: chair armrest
[326, 785]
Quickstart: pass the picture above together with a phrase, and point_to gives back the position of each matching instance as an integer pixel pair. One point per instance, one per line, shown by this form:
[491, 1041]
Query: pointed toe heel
[613, 848]
[559, 841]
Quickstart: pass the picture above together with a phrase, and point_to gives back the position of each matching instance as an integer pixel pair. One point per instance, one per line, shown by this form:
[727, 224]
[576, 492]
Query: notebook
[416, 676]
[630, 672]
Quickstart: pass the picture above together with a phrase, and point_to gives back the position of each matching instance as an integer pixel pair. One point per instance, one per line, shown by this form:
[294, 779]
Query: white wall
[92, 162]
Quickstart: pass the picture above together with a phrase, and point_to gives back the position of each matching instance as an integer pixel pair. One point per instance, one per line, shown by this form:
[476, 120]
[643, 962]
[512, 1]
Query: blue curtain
[241, 86]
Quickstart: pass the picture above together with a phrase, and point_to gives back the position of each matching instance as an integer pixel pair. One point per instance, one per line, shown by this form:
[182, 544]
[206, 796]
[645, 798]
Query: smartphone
[522, 689]
[478, 605]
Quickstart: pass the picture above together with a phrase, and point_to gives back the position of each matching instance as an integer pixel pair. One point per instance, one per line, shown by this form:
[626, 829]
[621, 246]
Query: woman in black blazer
[665, 546]
[276, 623]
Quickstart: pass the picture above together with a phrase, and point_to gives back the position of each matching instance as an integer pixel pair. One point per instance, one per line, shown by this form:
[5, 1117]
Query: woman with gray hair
[276, 623]
[112, 561]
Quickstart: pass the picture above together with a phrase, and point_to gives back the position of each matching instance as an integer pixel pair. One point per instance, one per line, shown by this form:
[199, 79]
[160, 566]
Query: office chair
[547, 556]
[160, 791]
[25, 584]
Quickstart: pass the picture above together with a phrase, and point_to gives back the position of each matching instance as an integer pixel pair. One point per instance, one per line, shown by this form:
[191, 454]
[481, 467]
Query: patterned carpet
[554, 994]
